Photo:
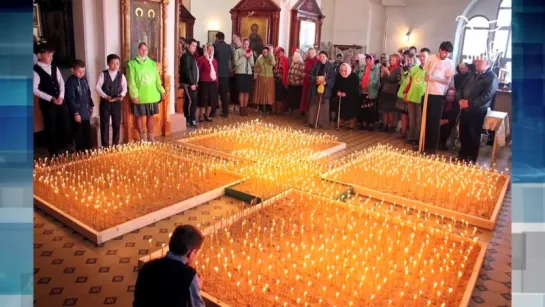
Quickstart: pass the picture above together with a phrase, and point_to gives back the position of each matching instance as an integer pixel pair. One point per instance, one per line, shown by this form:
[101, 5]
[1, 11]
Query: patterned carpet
[72, 271]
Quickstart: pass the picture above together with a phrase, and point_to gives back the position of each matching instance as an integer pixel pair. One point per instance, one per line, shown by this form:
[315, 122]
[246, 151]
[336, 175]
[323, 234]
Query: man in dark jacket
[475, 96]
[189, 78]
[222, 54]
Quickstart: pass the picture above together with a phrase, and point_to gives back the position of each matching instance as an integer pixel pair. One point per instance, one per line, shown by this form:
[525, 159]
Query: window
[494, 37]
[476, 34]
[502, 37]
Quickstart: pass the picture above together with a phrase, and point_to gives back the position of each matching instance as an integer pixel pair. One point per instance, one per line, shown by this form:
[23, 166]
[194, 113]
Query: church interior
[292, 214]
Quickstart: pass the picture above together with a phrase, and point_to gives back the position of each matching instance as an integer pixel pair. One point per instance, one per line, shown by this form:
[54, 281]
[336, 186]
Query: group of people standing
[67, 107]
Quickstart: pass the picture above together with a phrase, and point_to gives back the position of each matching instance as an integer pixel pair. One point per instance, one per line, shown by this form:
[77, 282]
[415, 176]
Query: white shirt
[36, 81]
[112, 74]
[441, 69]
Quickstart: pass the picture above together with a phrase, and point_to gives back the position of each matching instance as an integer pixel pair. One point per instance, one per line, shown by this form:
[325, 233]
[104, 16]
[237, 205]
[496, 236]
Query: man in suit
[223, 53]
[475, 96]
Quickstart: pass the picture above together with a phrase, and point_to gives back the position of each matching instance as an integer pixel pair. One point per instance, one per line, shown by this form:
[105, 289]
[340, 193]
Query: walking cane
[339, 114]
[320, 90]
[422, 141]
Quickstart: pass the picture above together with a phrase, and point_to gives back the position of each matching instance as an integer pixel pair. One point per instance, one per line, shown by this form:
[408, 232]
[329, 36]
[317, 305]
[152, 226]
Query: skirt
[387, 102]
[243, 83]
[402, 106]
[145, 109]
[208, 94]
[294, 96]
[264, 91]
[367, 113]
[280, 91]
[323, 118]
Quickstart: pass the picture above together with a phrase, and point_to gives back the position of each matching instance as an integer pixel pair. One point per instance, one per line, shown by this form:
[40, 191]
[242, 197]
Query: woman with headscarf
[451, 110]
[264, 85]
[280, 79]
[346, 90]
[310, 61]
[390, 77]
[369, 78]
[295, 81]
[145, 91]
[208, 83]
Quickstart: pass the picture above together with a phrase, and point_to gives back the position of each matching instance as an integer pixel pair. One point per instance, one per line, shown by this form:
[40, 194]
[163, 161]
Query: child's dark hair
[78, 64]
[44, 48]
[425, 50]
[446, 46]
[184, 239]
[324, 53]
[112, 57]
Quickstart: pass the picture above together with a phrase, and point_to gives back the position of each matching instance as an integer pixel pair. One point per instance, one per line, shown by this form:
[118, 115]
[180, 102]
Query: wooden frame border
[186, 142]
[99, 237]
[483, 223]
[129, 127]
[466, 297]
[305, 10]
[257, 8]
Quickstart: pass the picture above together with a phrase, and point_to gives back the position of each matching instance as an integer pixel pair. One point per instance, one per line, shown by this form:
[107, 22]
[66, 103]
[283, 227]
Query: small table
[499, 123]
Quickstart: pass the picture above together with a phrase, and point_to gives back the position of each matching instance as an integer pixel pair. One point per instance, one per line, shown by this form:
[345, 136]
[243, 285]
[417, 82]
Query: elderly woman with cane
[347, 90]
[322, 80]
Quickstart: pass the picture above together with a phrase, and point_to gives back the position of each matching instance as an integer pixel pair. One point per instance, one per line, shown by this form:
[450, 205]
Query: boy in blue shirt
[80, 104]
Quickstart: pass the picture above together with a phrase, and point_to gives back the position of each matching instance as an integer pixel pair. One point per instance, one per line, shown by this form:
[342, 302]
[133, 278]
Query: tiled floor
[72, 271]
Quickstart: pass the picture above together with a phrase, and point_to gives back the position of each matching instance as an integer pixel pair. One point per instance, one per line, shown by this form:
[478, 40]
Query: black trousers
[233, 90]
[223, 91]
[109, 110]
[190, 104]
[445, 132]
[471, 125]
[57, 125]
[433, 123]
[82, 135]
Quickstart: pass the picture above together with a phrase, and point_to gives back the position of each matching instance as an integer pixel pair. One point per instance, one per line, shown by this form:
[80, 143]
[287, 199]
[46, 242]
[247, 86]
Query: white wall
[433, 21]
[354, 22]
[99, 34]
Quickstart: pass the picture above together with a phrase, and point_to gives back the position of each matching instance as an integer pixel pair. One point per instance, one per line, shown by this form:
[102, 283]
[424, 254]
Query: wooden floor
[72, 271]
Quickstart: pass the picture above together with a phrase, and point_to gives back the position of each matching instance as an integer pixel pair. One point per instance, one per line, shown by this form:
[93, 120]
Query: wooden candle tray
[214, 302]
[477, 221]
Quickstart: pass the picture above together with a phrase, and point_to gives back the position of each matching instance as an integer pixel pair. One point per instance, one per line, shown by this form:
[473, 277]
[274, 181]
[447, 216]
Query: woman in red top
[281, 79]
[208, 83]
[311, 60]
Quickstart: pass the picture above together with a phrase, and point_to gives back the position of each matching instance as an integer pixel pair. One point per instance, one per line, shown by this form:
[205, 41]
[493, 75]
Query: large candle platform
[456, 190]
[304, 250]
[103, 189]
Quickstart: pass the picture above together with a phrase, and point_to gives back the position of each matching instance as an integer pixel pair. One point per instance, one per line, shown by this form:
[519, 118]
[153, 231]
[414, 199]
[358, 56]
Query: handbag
[401, 105]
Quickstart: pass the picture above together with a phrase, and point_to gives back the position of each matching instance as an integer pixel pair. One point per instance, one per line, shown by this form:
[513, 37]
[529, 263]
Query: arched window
[501, 38]
[476, 35]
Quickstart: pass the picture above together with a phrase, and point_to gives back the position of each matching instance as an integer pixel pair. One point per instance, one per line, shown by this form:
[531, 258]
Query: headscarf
[210, 58]
[348, 69]
[361, 58]
[367, 73]
[296, 57]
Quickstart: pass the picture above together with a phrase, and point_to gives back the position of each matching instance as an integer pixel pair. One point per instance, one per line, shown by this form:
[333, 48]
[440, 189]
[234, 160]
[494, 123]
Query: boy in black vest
[111, 87]
[80, 104]
[49, 88]
[171, 281]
